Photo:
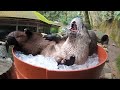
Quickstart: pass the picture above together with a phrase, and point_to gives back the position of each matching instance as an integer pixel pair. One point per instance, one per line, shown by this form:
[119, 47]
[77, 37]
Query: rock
[107, 69]
[114, 70]
[113, 44]
[5, 65]
[108, 75]
[3, 51]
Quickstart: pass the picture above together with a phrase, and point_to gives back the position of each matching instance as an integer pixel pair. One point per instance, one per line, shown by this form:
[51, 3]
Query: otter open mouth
[73, 27]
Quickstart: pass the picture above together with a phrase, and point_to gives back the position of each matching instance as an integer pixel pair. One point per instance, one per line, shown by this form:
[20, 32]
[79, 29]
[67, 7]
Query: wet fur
[77, 46]
[34, 44]
[30, 45]
[93, 44]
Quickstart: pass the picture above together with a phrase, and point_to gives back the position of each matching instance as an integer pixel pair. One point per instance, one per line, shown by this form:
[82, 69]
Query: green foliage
[65, 22]
[51, 15]
[117, 15]
[113, 35]
[61, 16]
[60, 31]
[106, 15]
[53, 30]
[118, 62]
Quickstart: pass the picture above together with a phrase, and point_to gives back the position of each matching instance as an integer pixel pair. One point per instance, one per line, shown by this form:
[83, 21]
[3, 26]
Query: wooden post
[37, 27]
[17, 26]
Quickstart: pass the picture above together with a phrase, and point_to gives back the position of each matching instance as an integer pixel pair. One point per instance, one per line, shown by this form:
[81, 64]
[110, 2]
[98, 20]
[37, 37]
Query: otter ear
[28, 32]
[84, 27]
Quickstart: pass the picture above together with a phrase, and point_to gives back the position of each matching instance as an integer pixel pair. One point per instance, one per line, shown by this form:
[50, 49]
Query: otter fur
[73, 49]
[93, 44]
[76, 24]
[33, 43]
[27, 42]
[73, 42]
[77, 45]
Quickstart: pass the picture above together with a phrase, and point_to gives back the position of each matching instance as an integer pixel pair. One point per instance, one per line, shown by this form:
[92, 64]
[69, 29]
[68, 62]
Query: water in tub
[51, 64]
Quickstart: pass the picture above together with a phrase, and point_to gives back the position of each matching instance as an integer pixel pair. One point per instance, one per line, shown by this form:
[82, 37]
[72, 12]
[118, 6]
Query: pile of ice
[51, 64]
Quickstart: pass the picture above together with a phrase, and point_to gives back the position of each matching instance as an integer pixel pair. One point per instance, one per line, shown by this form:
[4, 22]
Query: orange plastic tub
[26, 71]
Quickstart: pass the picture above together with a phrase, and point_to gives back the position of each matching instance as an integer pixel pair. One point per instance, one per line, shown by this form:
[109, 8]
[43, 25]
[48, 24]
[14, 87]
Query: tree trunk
[65, 15]
[94, 18]
[86, 19]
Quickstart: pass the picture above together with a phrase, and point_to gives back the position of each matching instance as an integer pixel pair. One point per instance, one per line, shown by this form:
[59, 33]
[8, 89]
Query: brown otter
[33, 43]
[93, 44]
[27, 42]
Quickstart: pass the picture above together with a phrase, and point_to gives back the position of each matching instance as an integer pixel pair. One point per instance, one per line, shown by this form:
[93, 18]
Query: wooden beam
[37, 27]
[17, 25]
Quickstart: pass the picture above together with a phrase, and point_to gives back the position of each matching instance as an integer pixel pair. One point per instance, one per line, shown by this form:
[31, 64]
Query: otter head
[17, 38]
[78, 30]
[74, 27]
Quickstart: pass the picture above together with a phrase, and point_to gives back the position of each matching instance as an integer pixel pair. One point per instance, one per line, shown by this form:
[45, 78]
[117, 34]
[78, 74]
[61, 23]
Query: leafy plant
[106, 15]
[118, 62]
[53, 30]
[117, 15]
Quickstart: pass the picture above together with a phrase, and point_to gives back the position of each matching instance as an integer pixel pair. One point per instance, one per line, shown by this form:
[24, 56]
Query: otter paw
[70, 61]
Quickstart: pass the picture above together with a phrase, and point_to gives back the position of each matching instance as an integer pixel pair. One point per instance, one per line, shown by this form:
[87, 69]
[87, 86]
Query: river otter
[27, 42]
[33, 43]
[93, 44]
[77, 45]
[76, 24]
[74, 49]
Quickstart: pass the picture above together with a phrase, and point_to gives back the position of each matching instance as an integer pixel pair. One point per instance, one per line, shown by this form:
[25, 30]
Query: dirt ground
[110, 70]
